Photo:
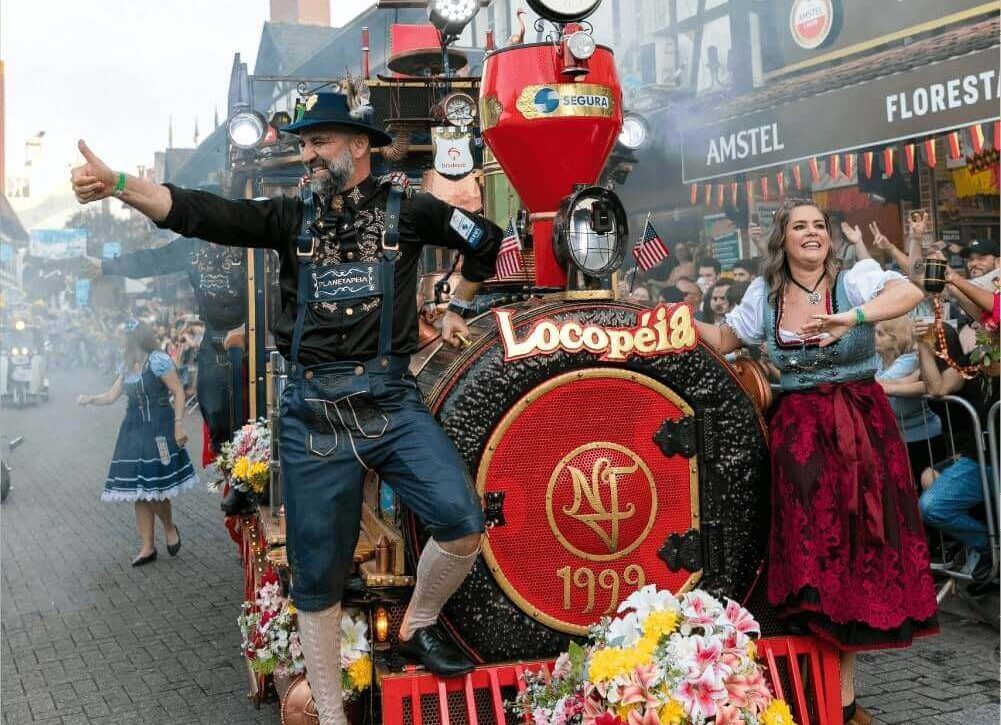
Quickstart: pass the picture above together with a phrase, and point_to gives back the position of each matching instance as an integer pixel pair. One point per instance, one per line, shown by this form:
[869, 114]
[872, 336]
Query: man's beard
[338, 172]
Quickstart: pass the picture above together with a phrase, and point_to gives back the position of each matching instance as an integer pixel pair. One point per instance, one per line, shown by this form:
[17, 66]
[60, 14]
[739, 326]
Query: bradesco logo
[566, 99]
[810, 22]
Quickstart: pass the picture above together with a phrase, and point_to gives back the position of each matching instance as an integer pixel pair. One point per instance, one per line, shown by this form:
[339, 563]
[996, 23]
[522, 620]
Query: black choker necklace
[812, 295]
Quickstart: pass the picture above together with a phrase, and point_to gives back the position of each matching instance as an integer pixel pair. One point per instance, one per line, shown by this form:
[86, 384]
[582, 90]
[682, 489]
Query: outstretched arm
[95, 181]
[106, 398]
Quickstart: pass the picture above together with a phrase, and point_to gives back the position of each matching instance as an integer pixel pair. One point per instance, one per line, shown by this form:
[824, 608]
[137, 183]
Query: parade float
[622, 463]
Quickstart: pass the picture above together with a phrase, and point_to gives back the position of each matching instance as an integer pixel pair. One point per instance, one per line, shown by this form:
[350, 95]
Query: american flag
[651, 250]
[509, 262]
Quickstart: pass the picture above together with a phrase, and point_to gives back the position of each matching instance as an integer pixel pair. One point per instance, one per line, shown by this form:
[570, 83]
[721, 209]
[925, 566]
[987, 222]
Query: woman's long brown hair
[776, 269]
[139, 343]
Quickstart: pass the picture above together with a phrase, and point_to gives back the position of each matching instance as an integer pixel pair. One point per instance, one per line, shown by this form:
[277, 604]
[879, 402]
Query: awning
[936, 85]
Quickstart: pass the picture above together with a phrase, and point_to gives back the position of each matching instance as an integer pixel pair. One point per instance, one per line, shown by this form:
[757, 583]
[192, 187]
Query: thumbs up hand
[94, 180]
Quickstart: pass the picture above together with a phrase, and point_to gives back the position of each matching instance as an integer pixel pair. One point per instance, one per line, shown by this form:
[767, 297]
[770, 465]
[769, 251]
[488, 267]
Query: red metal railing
[803, 671]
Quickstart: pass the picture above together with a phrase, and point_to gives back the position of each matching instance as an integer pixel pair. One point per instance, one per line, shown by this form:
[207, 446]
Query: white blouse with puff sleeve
[862, 283]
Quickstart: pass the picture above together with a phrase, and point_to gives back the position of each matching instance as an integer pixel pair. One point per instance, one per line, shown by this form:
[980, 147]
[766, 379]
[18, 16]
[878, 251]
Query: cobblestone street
[88, 639]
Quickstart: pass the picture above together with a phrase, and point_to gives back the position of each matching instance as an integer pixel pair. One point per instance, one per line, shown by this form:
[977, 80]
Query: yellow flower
[360, 672]
[657, 624]
[673, 713]
[291, 607]
[777, 713]
[611, 662]
[752, 651]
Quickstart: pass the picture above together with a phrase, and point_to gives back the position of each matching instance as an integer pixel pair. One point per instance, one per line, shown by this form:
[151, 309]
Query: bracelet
[465, 311]
[859, 315]
[119, 185]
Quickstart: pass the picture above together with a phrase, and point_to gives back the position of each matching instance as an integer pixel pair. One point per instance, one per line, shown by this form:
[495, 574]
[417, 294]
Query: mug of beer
[934, 281]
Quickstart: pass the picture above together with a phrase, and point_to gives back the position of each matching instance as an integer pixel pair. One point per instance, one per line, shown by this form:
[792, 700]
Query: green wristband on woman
[859, 315]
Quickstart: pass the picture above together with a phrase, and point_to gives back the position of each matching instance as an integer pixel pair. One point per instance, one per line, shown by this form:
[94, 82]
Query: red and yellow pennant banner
[977, 137]
[780, 182]
[850, 165]
[930, 154]
[815, 170]
[909, 152]
[955, 146]
[888, 168]
[867, 163]
[797, 175]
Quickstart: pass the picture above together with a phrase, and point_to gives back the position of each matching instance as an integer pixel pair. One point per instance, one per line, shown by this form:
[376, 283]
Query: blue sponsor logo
[547, 100]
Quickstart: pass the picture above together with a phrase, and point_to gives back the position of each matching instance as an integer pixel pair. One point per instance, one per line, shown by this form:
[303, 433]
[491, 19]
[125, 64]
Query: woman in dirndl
[150, 465]
[848, 558]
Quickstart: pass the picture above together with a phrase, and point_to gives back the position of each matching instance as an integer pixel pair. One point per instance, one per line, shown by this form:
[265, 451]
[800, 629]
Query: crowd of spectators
[929, 367]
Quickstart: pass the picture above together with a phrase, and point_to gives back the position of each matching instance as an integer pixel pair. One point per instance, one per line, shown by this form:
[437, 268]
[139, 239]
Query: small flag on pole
[651, 250]
[509, 262]
[909, 150]
[930, 157]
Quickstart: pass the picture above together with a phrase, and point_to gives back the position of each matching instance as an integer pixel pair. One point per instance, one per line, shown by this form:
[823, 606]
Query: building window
[714, 67]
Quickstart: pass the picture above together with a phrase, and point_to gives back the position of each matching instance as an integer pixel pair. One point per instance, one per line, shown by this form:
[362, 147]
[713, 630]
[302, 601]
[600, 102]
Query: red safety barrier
[803, 671]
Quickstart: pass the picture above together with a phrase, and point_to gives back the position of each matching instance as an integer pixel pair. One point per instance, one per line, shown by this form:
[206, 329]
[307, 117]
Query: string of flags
[891, 160]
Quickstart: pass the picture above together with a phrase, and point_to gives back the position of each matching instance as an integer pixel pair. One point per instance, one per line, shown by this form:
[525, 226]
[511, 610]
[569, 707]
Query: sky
[115, 71]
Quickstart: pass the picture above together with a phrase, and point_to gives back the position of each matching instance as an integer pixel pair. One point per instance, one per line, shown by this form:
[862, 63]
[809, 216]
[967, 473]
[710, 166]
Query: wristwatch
[462, 308]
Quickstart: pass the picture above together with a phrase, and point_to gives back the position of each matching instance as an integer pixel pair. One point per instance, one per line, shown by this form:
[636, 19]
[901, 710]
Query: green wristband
[859, 316]
[120, 184]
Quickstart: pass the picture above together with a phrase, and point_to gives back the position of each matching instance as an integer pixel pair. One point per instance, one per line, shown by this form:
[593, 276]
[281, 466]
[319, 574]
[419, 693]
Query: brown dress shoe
[861, 717]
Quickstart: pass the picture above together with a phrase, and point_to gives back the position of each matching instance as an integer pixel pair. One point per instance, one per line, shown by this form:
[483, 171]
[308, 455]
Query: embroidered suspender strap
[390, 253]
[304, 253]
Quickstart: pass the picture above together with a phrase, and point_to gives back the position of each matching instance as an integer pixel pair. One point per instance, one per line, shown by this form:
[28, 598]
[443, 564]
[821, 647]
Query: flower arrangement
[244, 461]
[662, 661]
[271, 639]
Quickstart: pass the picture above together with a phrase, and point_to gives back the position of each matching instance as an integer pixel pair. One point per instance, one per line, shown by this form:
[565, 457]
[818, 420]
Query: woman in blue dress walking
[150, 465]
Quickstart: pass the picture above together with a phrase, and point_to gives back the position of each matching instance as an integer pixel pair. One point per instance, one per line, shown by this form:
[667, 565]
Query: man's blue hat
[332, 109]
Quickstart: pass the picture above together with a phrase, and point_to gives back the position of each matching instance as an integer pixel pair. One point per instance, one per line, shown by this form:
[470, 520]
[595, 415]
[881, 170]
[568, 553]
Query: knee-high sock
[439, 574]
[320, 634]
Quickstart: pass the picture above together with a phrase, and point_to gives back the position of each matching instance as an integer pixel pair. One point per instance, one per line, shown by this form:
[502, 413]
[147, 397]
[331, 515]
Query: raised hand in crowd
[883, 242]
[854, 236]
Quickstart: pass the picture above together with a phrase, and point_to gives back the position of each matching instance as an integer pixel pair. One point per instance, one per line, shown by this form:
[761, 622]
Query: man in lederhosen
[349, 251]
[218, 277]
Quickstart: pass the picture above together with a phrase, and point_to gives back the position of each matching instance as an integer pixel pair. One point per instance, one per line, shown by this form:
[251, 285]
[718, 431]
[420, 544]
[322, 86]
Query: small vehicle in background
[24, 376]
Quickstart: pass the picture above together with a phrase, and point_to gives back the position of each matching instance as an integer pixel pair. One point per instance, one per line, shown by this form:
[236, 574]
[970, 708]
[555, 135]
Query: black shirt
[978, 391]
[346, 330]
[217, 274]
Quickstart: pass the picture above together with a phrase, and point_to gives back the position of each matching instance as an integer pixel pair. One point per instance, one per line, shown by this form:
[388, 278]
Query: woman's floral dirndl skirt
[148, 465]
[847, 551]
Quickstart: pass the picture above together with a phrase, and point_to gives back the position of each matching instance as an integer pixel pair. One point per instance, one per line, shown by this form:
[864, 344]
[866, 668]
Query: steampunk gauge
[459, 109]
[564, 11]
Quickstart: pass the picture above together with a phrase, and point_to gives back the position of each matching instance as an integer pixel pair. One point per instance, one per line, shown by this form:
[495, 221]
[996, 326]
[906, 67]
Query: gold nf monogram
[603, 473]
[599, 499]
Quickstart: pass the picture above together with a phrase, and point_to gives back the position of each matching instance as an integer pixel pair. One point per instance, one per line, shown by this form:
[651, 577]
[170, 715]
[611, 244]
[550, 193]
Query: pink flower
[699, 610]
[541, 716]
[742, 621]
[608, 718]
[748, 691]
[562, 666]
[699, 695]
[729, 715]
[650, 717]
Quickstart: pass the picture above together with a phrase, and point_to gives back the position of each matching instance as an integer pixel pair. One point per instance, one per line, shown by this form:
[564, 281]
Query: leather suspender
[304, 253]
[390, 253]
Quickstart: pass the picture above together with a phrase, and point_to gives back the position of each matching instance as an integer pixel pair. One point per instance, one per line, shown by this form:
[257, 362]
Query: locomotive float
[610, 447]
